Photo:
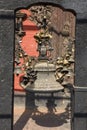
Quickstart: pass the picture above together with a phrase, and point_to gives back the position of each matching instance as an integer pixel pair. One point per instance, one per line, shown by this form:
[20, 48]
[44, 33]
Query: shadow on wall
[48, 119]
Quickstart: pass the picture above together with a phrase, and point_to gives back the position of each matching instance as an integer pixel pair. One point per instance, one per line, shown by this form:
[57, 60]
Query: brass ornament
[33, 67]
[19, 23]
[66, 29]
[41, 15]
[18, 70]
[65, 63]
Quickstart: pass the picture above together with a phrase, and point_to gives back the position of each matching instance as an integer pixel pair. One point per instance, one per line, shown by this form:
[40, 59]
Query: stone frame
[7, 15]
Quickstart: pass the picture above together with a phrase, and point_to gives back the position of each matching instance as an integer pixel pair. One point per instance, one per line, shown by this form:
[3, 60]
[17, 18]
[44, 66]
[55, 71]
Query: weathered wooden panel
[59, 18]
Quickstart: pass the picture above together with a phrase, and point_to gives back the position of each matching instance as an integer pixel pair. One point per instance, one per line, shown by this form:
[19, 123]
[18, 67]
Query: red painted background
[28, 44]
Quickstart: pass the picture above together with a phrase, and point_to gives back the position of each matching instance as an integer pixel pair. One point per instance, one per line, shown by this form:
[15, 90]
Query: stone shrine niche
[44, 41]
[62, 33]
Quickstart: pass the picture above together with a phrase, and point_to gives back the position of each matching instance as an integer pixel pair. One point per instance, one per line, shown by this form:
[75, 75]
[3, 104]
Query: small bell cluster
[65, 67]
[39, 15]
[29, 77]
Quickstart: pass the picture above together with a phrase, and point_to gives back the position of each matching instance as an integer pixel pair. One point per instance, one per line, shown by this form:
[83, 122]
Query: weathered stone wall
[80, 6]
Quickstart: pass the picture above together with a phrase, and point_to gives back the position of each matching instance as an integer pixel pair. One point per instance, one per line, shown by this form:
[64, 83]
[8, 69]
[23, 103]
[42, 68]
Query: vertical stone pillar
[79, 109]
[81, 51]
[6, 68]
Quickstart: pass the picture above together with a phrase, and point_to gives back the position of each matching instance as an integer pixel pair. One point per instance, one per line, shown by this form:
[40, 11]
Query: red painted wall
[28, 44]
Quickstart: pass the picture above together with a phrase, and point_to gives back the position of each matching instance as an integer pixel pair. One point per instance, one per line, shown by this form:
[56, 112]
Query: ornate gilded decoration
[65, 64]
[41, 15]
[59, 71]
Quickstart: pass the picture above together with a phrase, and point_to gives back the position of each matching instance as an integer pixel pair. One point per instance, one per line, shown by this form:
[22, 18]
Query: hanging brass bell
[17, 61]
[56, 76]
[59, 67]
[65, 62]
[71, 60]
[60, 75]
[73, 50]
[59, 60]
[69, 52]
[17, 70]
[65, 70]
[70, 74]
[64, 83]
[67, 56]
